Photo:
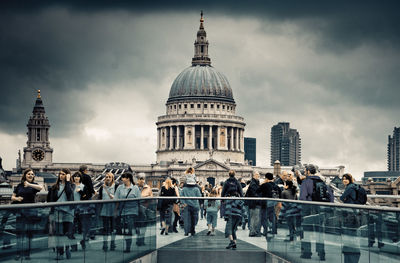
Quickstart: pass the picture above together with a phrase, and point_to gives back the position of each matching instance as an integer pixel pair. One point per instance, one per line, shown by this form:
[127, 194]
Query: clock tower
[37, 153]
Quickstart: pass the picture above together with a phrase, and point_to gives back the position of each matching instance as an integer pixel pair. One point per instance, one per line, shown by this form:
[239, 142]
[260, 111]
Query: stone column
[178, 141]
[210, 138]
[241, 140]
[232, 148]
[226, 138]
[202, 137]
[171, 139]
[237, 139]
[218, 138]
[184, 137]
[158, 139]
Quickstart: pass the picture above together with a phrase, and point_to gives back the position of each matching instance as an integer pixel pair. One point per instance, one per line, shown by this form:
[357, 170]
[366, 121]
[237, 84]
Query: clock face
[38, 155]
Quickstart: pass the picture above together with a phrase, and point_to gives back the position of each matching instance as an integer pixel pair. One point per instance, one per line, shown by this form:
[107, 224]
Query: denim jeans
[254, 218]
[190, 218]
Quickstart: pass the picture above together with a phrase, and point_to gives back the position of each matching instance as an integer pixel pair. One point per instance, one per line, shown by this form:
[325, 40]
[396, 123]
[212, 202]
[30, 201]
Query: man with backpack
[313, 188]
[232, 186]
[268, 216]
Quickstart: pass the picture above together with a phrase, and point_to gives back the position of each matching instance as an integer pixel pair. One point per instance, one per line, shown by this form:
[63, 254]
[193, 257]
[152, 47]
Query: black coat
[52, 196]
[252, 191]
[89, 190]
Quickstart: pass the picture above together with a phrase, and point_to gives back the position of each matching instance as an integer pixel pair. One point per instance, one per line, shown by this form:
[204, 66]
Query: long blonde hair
[168, 183]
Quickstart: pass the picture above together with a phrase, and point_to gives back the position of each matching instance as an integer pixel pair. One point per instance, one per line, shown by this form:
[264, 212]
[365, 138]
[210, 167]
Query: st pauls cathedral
[200, 128]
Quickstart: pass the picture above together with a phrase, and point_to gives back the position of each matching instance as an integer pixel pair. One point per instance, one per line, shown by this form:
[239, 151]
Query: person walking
[25, 193]
[313, 188]
[254, 206]
[212, 207]
[129, 210]
[175, 207]
[166, 207]
[268, 215]
[234, 209]
[191, 206]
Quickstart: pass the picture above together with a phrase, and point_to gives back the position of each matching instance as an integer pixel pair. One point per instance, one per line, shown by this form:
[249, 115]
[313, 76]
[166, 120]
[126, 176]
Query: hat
[190, 179]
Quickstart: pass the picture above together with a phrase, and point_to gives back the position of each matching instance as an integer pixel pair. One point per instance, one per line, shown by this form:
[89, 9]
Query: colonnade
[200, 137]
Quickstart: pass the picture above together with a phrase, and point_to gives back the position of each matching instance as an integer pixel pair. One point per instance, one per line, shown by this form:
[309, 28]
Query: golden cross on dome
[38, 93]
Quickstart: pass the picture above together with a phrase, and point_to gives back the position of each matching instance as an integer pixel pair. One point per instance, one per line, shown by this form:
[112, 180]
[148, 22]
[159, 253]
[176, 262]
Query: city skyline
[104, 70]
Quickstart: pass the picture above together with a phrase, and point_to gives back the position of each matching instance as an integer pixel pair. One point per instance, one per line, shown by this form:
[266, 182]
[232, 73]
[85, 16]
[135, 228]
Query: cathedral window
[38, 135]
[192, 106]
[205, 106]
[175, 107]
[198, 106]
[185, 106]
[180, 106]
[223, 107]
[217, 106]
[212, 106]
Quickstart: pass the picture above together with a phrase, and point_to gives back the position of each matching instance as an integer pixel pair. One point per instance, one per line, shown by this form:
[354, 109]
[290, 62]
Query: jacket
[234, 207]
[253, 191]
[191, 191]
[225, 189]
[52, 195]
[307, 187]
[350, 194]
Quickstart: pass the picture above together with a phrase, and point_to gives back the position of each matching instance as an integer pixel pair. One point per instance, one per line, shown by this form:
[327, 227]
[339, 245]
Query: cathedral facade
[200, 121]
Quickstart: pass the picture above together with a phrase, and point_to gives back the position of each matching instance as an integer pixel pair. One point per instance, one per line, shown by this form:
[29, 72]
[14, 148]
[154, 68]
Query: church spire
[201, 46]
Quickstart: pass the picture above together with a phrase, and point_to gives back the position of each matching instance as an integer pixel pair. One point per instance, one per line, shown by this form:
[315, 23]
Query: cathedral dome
[201, 82]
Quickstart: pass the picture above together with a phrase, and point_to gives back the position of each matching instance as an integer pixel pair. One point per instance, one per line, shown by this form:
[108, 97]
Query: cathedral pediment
[211, 165]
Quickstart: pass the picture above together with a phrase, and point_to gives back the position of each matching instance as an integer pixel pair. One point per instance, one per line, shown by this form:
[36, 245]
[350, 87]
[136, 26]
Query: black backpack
[361, 195]
[232, 188]
[320, 191]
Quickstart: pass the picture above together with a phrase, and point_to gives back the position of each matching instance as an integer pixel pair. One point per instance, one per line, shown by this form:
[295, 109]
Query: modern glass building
[393, 152]
[250, 150]
[285, 145]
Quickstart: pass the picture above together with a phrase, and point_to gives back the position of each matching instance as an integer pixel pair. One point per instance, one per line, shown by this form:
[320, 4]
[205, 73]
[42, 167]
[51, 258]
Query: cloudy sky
[105, 71]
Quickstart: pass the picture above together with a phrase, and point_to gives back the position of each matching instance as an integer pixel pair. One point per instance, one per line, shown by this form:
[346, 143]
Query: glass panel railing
[296, 231]
[89, 231]
[123, 231]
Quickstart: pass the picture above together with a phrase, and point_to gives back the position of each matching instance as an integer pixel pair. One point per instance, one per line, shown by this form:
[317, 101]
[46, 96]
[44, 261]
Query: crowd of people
[129, 218]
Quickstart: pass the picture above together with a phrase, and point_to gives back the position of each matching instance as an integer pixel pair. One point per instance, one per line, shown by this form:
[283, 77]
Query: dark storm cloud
[341, 24]
[64, 52]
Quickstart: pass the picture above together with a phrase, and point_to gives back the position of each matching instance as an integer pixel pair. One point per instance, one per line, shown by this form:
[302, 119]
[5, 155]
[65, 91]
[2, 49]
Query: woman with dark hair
[62, 217]
[349, 221]
[349, 195]
[166, 207]
[84, 211]
[107, 192]
[24, 193]
[128, 211]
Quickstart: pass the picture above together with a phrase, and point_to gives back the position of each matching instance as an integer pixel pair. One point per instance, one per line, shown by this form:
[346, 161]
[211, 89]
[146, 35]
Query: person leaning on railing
[24, 193]
[349, 221]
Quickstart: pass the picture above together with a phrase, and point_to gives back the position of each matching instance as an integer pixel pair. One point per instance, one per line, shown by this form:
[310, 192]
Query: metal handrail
[339, 205]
